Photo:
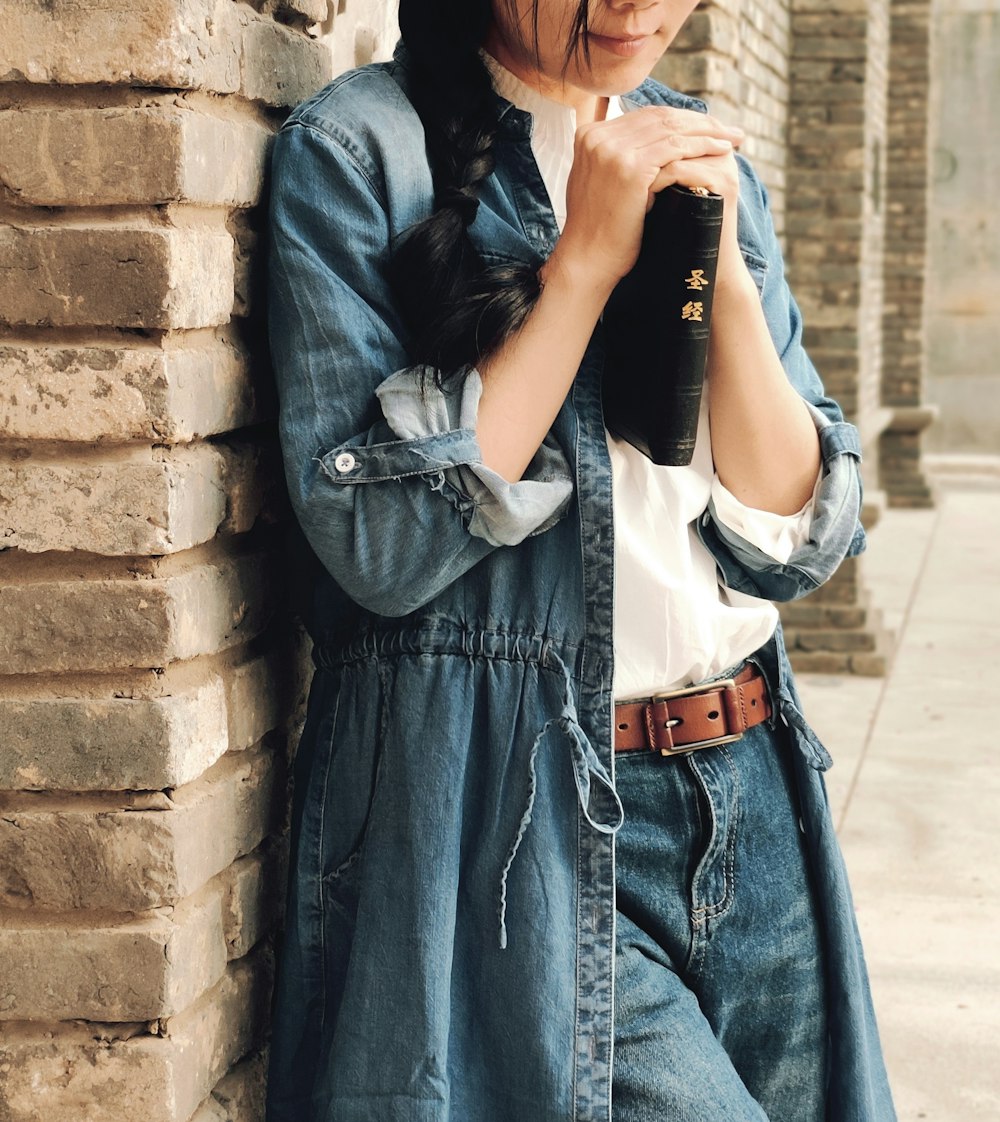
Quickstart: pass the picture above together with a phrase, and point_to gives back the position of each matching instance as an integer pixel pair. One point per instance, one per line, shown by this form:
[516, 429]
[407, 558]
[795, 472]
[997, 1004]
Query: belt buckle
[689, 691]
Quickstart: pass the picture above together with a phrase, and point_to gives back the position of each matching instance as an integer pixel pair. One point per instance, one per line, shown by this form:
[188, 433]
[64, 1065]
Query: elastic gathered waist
[448, 637]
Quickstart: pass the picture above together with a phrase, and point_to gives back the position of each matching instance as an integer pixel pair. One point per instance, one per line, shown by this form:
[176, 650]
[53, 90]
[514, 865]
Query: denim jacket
[449, 943]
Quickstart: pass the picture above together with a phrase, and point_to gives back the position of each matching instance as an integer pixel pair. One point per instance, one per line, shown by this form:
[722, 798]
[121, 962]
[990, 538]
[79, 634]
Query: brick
[804, 614]
[918, 500]
[133, 501]
[263, 692]
[114, 393]
[159, 732]
[813, 662]
[150, 618]
[693, 72]
[708, 29]
[835, 640]
[824, 6]
[79, 1073]
[254, 896]
[130, 854]
[88, 157]
[310, 11]
[176, 44]
[281, 66]
[239, 1097]
[112, 743]
[94, 966]
[871, 665]
[123, 277]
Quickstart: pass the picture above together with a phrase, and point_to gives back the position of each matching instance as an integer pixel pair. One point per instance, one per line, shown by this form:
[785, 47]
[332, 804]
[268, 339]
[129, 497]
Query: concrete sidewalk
[916, 794]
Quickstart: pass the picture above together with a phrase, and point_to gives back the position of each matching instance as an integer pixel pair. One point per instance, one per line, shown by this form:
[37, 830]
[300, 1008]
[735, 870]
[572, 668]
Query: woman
[512, 899]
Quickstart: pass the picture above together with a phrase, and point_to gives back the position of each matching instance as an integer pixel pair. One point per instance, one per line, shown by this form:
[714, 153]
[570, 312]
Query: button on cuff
[344, 463]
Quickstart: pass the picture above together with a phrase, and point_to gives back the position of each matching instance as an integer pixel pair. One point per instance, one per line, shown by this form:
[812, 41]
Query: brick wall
[150, 675]
[735, 55]
[836, 229]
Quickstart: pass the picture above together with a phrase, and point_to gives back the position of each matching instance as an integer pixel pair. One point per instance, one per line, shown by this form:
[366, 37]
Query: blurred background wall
[963, 311]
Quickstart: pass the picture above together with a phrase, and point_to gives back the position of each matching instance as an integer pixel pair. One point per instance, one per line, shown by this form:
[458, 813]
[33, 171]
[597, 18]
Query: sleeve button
[344, 462]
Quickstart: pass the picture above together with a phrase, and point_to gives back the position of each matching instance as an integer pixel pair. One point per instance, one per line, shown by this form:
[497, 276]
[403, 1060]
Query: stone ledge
[87, 156]
[182, 44]
[88, 966]
[137, 501]
[116, 276]
[78, 1073]
[116, 393]
[147, 851]
[149, 618]
[213, 45]
[70, 736]
[911, 418]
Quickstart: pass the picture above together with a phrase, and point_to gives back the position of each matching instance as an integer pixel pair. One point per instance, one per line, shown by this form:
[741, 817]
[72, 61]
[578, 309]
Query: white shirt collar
[553, 129]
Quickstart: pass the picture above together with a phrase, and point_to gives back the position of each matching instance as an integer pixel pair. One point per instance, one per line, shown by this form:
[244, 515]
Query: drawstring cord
[586, 767]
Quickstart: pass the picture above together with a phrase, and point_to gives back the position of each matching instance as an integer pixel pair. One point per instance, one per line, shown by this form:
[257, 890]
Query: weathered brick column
[150, 675]
[808, 82]
[835, 229]
[903, 320]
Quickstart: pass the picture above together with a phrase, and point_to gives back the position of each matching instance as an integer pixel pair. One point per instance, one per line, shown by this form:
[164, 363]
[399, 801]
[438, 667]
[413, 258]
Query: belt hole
[714, 715]
[624, 726]
[753, 701]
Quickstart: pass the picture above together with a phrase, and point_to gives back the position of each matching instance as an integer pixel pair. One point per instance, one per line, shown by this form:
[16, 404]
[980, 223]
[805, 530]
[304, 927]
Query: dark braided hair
[459, 309]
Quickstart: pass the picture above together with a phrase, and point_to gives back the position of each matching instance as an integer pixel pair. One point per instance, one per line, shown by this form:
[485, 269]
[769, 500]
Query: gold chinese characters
[697, 280]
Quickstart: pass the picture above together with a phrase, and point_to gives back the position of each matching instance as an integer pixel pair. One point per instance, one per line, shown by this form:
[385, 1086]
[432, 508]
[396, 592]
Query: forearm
[764, 441]
[526, 382]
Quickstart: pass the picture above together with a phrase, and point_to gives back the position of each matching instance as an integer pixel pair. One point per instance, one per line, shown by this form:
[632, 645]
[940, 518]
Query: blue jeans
[720, 1011]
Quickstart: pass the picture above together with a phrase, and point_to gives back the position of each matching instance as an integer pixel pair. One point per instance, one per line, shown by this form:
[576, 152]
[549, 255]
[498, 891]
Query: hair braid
[459, 309]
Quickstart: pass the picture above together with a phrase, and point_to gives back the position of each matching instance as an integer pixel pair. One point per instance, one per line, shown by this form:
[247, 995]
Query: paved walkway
[916, 794]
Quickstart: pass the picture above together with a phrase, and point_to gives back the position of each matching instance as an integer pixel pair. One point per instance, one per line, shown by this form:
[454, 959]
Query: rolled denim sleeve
[384, 470]
[835, 530]
[774, 534]
[500, 512]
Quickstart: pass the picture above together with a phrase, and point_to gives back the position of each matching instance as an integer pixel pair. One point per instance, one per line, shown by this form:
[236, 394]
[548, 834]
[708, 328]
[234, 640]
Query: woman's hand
[619, 166]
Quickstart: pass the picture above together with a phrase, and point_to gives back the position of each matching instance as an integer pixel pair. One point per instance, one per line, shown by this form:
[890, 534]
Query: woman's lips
[624, 48]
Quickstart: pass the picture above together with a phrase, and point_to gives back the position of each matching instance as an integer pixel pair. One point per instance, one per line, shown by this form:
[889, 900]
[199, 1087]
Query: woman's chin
[612, 72]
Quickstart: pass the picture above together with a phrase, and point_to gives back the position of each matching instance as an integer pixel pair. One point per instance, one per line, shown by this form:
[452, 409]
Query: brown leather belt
[684, 720]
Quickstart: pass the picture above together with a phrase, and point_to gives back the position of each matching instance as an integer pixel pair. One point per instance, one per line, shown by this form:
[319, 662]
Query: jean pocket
[341, 889]
[348, 786]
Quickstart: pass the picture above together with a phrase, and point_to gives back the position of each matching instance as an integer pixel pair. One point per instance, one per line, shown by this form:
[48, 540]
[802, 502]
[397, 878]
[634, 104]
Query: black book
[656, 327]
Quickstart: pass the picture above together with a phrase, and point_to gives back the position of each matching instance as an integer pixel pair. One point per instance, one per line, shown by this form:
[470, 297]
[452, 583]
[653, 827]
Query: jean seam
[713, 911]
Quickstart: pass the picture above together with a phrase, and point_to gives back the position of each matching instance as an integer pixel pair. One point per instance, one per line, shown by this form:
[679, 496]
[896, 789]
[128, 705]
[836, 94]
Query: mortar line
[900, 638]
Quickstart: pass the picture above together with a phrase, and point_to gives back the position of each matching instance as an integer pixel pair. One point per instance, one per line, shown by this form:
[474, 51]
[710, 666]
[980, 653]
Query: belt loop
[658, 741]
[734, 706]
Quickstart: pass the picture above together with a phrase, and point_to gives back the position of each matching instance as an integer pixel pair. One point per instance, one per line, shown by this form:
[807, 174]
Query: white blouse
[675, 624]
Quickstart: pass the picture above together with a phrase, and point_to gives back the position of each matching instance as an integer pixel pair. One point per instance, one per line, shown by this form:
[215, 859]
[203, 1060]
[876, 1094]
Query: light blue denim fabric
[449, 950]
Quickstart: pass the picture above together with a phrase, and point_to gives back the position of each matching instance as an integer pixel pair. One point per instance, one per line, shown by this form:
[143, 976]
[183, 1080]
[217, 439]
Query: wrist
[733, 282]
[577, 275]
